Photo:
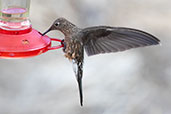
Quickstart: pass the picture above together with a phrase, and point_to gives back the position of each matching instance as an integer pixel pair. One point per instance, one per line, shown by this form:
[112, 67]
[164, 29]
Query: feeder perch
[17, 37]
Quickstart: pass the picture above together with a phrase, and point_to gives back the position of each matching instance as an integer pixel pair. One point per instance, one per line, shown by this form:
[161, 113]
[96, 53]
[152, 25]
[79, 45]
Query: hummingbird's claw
[63, 44]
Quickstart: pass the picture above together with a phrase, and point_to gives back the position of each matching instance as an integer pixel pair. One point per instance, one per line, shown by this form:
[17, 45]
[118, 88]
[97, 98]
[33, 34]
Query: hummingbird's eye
[57, 24]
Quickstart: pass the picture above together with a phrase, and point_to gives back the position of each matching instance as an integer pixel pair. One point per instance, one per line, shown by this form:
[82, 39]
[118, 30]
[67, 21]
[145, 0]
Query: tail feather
[80, 91]
[78, 69]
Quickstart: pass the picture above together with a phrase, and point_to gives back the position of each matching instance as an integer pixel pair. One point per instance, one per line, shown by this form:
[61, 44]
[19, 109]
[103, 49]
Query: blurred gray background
[136, 81]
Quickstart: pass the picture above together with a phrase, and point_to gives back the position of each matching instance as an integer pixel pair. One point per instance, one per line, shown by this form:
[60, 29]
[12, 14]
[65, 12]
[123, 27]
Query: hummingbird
[97, 40]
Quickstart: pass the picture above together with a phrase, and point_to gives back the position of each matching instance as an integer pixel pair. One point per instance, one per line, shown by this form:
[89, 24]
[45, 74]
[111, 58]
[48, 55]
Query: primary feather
[104, 39]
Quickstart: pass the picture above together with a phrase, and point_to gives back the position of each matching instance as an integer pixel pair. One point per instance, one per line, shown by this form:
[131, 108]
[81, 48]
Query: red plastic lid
[24, 43]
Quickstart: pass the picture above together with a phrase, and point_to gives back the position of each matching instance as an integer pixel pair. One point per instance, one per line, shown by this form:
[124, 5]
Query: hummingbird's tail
[78, 69]
[80, 91]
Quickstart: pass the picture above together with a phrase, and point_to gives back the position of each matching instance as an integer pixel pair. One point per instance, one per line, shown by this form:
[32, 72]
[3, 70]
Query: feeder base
[22, 44]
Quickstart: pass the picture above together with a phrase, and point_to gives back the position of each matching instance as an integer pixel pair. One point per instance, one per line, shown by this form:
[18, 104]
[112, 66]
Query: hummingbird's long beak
[47, 31]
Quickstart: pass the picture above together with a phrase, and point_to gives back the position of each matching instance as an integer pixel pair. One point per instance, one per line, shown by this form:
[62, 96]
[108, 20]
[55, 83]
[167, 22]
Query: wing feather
[104, 39]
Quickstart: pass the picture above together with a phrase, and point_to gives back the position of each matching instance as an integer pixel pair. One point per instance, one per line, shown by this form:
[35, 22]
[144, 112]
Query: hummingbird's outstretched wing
[105, 39]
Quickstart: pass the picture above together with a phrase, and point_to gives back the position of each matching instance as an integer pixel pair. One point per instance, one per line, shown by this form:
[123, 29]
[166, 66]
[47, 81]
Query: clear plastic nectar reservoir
[14, 14]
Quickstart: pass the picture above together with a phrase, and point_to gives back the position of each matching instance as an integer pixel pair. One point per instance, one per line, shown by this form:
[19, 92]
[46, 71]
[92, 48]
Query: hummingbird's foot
[63, 44]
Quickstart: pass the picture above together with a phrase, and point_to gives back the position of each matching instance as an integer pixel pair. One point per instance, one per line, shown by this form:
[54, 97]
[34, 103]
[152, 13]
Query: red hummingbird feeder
[17, 37]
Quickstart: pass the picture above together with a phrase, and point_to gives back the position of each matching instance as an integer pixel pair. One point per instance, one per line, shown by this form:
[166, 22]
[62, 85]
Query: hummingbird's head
[62, 25]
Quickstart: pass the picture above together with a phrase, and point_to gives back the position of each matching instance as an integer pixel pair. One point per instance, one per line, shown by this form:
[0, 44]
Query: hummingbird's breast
[74, 49]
